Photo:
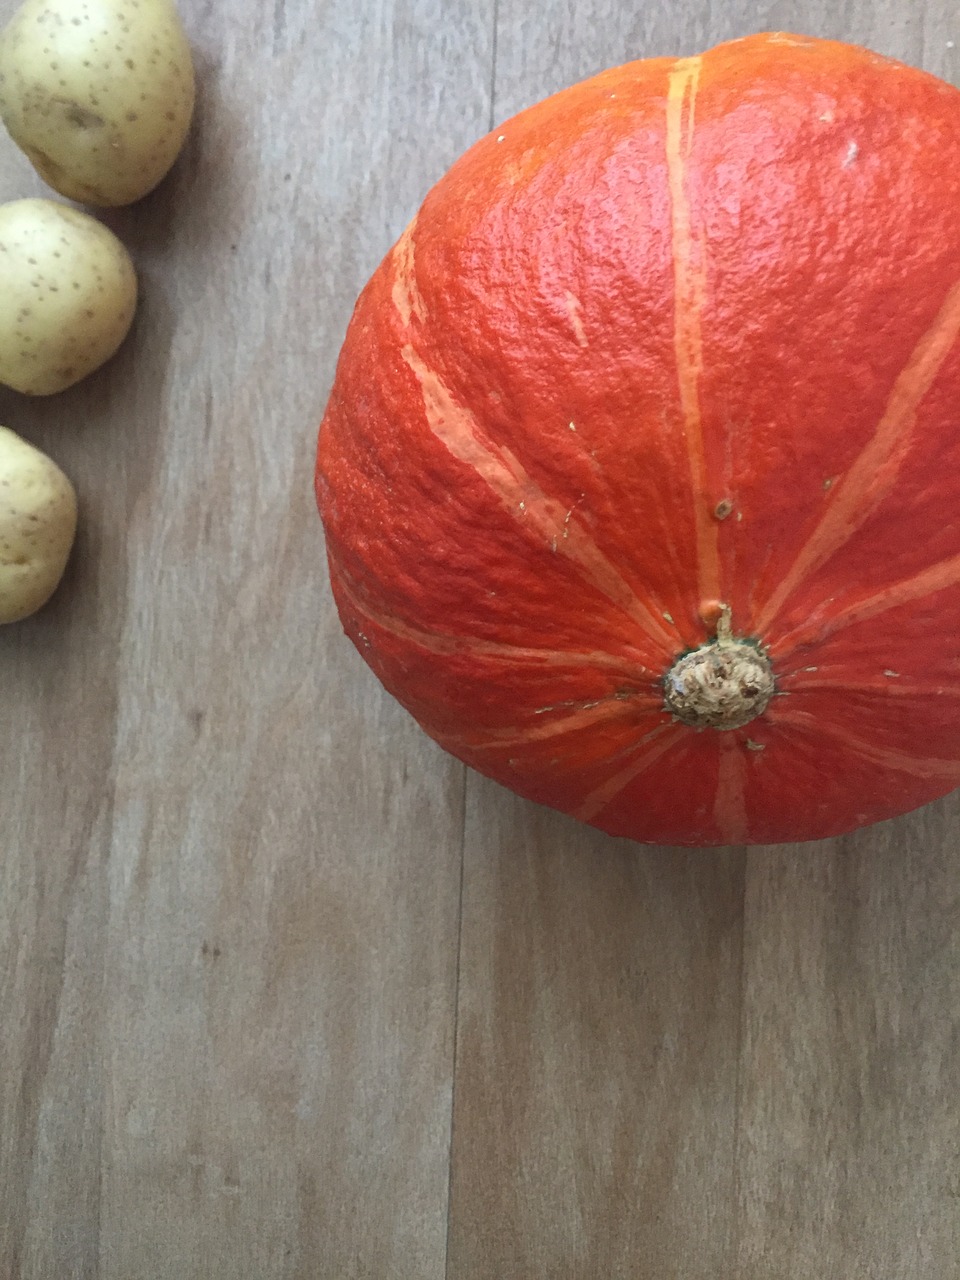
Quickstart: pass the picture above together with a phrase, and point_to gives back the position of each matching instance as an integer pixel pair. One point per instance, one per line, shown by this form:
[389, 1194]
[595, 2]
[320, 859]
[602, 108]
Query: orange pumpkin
[641, 470]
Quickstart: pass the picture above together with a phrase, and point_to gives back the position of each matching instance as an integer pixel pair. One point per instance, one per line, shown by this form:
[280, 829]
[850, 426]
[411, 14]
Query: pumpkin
[640, 473]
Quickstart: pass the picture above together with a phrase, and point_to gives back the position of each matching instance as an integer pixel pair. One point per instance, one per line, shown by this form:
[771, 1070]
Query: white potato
[38, 522]
[97, 93]
[67, 299]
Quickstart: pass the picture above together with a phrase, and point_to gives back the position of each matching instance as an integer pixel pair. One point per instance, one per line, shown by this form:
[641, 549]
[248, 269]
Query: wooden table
[283, 991]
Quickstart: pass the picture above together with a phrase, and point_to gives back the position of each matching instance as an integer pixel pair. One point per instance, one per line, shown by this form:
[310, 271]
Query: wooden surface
[282, 992]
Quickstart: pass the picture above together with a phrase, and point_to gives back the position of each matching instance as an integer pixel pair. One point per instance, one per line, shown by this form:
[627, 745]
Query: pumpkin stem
[725, 626]
[723, 684]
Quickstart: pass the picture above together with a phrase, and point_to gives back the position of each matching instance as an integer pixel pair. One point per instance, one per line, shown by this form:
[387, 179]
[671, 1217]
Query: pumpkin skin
[673, 351]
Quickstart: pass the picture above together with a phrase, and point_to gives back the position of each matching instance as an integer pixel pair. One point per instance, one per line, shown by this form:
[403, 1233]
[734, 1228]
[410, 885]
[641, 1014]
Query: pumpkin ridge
[689, 270]
[730, 802]
[938, 577]
[449, 645]
[946, 770]
[873, 474]
[458, 430]
[598, 799]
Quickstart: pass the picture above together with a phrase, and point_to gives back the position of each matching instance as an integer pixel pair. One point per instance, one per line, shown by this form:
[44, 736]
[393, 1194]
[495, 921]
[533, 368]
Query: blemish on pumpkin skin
[783, 37]
[563, 706]
[723, 509]
[892, 675]
[574, 309]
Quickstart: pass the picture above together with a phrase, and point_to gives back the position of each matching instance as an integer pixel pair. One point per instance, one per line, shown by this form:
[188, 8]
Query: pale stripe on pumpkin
[406, 295]
[660, 741]
[449, 646]
[690, 291]
[872, 476]
[940, 576]
[605, 711]
[548, 520]
[884, 687]
[730, 803]
[947, 771]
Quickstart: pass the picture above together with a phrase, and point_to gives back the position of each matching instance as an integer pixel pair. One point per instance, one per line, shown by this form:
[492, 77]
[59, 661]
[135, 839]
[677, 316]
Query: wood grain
[596, 1084]
[60, 677]
[849, 1138]
[248, 1026]
[229, 917]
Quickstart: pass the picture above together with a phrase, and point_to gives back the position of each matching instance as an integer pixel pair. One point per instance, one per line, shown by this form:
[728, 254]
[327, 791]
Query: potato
[38, 521]
[67, 298]
[98, 93]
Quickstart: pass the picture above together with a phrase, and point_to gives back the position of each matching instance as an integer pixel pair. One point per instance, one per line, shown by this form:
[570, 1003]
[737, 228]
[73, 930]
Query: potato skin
[99, 94]
[68, 298]
[38, 523]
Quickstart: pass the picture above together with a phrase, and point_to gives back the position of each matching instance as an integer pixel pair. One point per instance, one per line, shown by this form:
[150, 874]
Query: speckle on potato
[98, 93]
[38, 522]
[67, 299]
